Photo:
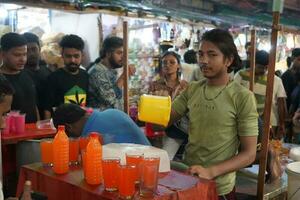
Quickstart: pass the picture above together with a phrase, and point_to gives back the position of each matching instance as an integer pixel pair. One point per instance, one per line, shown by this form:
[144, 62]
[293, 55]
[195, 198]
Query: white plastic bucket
[293, 172]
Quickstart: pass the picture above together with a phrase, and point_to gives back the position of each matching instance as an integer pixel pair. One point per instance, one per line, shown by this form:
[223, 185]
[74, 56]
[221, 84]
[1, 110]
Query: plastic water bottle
[93, 163]
[61, 151]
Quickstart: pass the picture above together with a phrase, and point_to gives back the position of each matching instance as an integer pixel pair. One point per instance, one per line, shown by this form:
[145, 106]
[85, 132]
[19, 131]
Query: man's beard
[32, 61]
[72, 67]
[114, 64]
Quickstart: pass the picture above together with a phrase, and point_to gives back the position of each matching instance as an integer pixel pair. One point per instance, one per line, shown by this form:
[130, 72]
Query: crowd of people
[214, 114]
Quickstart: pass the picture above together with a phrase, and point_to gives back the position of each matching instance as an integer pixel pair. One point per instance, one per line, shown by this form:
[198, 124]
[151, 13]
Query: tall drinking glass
[149, 176]
[46, 152]
[110, 167]
[126, 181]
[135, 159]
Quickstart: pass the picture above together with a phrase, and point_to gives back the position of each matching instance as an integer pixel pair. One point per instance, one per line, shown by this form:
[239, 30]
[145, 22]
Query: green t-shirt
[218, 116]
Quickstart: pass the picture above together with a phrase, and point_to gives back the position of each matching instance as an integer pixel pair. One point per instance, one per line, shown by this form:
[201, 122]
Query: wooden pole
[125, 66]
[267, 110]
[252, 58]
[100, 29]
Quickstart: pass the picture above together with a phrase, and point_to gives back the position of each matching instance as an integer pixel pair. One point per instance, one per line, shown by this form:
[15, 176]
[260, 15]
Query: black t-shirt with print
[24, 98]
[64, 87]
[39, 78]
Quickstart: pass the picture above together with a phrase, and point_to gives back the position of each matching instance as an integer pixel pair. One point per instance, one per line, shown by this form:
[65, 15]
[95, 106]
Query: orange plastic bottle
[61, 151]
[93, 160]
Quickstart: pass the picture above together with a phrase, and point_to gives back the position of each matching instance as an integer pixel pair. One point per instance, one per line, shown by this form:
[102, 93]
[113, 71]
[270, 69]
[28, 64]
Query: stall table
[9, 162]
[172, 185]
[31, 132]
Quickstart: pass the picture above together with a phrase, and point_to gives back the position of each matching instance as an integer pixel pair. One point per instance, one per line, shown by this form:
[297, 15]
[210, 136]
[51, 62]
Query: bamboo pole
[267, 110]
[252, 58]
[100, 30]
[125, 66]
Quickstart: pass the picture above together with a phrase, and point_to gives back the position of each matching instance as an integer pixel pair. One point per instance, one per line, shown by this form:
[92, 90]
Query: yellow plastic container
[154, 109]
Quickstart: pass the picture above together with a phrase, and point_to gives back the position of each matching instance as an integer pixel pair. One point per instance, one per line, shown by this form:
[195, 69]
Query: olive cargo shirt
[218, 115]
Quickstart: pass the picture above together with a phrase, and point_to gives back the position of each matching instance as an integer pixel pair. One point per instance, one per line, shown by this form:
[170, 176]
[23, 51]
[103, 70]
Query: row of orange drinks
[116, 177]
[138, 171]
[75, 146]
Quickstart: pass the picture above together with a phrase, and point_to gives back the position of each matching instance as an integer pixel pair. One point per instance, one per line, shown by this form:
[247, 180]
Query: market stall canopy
[224, 13]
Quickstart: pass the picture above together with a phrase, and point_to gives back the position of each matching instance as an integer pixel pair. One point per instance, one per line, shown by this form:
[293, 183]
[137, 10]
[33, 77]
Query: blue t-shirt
[116, 126]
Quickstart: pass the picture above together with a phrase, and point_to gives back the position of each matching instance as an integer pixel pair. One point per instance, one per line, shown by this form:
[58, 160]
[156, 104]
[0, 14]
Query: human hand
[161, 93]
[280, 131]
[131, 70]
[296, 118]
[183, 84]
[201, 172]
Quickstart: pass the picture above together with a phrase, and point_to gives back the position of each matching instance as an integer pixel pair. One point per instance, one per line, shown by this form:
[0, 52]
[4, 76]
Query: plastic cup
[149, 176]
[7, 120]
[83, 141]
[73, 151]
[110, 167]
[154, 109]
[135, 159]
[46, 152]
[13, 114]
[45, 124]
[83, 160]
[126, 181]
[20, 123]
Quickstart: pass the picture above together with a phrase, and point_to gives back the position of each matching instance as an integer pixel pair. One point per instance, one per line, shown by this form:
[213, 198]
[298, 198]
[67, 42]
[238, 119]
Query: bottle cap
[27, 182]
[61, 127]
[94, 134]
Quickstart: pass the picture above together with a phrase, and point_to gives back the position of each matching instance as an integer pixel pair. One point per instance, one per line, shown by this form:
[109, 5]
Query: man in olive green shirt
[222, 115]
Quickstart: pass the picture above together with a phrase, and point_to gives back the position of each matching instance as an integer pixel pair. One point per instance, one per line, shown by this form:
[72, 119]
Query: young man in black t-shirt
[70, 83]
[14, 54]
[37, 71]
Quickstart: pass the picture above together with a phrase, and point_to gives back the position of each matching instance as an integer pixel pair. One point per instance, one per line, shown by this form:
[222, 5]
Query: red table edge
[31, 133]
[22, 177]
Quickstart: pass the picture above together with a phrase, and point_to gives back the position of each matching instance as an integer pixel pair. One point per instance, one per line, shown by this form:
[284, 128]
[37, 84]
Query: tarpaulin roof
[221, 12]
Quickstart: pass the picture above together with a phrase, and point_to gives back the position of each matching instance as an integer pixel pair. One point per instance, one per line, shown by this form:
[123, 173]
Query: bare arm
[282, 112]
[120, 81]
[38, 117]
[47, 114]
[245, 157]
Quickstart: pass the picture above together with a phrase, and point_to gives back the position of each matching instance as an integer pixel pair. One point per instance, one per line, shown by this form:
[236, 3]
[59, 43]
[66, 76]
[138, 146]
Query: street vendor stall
[143, 29]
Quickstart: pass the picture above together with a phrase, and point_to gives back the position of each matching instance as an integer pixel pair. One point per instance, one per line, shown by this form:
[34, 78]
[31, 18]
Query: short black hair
[5, 88]
[262, 57]
[72, 41]
[247, 45]
[295, 53]
[11, 40]
[224, 41]
[67, 114]
[110, 44]
[190, 57]
[31, 38]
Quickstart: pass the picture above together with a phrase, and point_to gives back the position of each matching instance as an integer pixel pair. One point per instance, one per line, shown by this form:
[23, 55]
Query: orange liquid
[149, 176]
[74, 150]
[110, 177]
[46, 152]
[93, 163]
[83, 161]
[126, 181]
[61, 152]
[83, 141]
[135, 160]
